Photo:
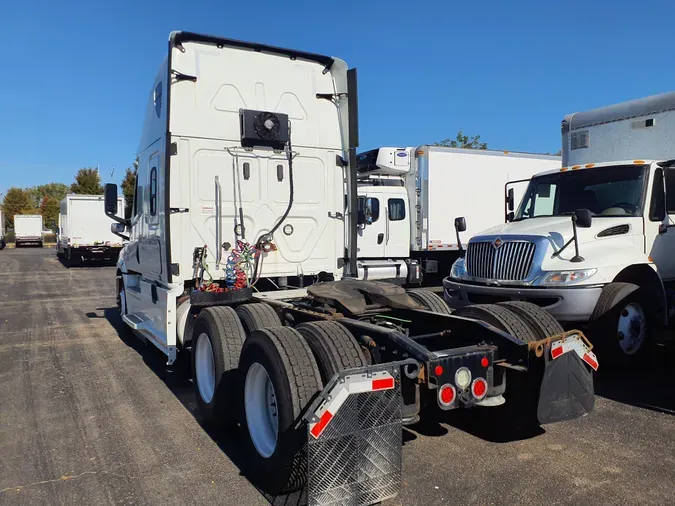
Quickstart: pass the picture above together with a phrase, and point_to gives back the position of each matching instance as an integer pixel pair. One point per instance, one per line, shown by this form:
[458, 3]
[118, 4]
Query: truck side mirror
[460, 224]
[583, 218]
[117, 228]
[111, 199]
[510, 199]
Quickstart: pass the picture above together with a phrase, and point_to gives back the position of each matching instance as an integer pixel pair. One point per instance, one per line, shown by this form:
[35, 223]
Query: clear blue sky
[75, 75]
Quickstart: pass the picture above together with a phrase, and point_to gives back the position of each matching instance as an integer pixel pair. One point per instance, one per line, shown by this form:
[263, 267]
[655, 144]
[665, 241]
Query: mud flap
[567, 383]
[354, 433]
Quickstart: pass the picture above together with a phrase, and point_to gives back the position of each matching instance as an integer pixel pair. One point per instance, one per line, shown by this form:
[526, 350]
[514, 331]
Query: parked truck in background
[244, 157]
[592, 242]
[408, 198]
[84, 229]
[28, 230]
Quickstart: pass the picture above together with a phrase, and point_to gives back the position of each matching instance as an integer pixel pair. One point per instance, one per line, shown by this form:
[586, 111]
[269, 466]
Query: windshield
[605, 191]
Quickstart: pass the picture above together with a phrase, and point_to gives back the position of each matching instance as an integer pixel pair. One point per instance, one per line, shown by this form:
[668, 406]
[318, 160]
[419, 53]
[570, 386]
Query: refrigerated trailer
[242, 252]
[28, 230]
[84, 229]
[409, 197]
[592, 242]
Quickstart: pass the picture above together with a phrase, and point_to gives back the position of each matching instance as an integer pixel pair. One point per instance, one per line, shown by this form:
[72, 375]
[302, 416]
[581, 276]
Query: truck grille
[511, 261]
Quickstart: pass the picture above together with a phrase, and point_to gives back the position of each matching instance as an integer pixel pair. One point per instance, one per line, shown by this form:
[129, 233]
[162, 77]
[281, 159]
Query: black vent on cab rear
[263, 128]
[618, 230]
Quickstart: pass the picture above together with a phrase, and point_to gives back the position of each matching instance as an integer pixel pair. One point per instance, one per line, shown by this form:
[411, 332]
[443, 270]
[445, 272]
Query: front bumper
[570, 304]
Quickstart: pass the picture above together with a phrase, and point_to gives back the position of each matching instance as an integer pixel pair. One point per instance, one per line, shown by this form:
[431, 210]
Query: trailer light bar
[356, 384]
[574, 343]
[479, 388]
[446, 395]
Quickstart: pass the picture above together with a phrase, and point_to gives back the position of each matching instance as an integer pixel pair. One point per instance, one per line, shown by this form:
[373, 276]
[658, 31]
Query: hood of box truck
[559, 229]
[608, 245]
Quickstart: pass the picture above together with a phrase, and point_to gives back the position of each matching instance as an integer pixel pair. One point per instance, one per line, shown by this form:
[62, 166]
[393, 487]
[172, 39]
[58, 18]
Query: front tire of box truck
[280, 378]
[622, 324]
[217, 339]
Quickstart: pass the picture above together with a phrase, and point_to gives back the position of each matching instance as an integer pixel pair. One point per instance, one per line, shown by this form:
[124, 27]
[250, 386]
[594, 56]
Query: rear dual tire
[280, 378]
[429, 300]
[217, 341]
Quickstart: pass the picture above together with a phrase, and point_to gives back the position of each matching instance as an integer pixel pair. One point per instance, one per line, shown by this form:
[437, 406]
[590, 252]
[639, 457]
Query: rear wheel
[217, 339]
[257, 316]
[430, 301]
[280, 377]
[542, 323]
[333, 346]
[501, 318]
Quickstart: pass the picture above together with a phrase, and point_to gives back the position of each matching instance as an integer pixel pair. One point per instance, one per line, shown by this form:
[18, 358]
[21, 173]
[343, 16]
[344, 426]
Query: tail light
[479, 388]
[446, 395]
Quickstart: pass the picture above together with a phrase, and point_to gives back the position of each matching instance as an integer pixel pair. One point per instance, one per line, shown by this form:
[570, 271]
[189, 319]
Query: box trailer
[28, 230]
[592, 242]
[84, 229]
[240, 187]
[409, 197]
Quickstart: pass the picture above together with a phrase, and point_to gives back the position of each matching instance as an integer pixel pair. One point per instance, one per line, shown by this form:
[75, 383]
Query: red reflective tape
[590, 361]
[557, 351]
[383, 384]
[321, 424]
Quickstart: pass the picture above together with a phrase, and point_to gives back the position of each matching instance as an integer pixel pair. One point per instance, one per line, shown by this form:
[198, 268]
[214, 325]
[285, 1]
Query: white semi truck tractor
[591, 242]
[242, 257]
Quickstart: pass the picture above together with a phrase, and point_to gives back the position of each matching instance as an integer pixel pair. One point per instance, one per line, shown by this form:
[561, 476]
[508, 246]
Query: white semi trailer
[408, 198]
[84, 229]
[246, 156]
[28, 230]
[592, 242]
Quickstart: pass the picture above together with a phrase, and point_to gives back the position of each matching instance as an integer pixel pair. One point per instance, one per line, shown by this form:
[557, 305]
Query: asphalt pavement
[89, 415]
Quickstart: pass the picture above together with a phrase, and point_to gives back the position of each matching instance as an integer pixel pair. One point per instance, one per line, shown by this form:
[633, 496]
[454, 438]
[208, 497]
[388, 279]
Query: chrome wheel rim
[631, 328]
[205, 370]
[262, 416]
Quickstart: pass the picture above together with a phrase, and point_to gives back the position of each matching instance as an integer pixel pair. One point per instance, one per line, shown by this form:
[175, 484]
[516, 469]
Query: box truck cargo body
[28, 229]
[409, 198]
[84, 229]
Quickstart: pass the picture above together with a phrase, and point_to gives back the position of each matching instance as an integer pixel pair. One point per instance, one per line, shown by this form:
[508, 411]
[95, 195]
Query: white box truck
[245, 154]
[593, 242]
[28, 230]
[408, 198]
[84, 229]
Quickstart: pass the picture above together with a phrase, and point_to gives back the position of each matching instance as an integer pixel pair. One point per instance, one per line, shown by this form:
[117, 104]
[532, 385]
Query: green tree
[128, 186]
[16, 201]
[50, 208]
[54, 190]
[87, 182]
[463, 141]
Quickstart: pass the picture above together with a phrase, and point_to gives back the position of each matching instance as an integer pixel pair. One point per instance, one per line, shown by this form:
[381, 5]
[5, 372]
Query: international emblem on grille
[497, 243]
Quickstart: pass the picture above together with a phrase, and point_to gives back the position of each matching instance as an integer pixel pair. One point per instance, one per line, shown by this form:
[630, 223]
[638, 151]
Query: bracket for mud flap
[354, 434]
[567, 383]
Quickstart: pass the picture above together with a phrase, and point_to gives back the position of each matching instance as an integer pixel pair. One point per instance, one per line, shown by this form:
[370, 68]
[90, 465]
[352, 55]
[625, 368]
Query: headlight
[458, 269]
[567, 277]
